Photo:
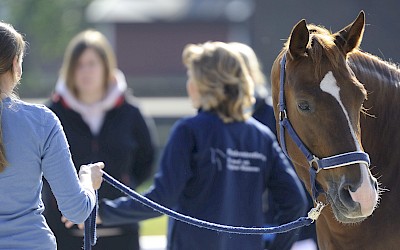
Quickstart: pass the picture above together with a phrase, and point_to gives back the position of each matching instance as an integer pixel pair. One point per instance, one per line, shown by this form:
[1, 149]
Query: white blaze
[366, 195]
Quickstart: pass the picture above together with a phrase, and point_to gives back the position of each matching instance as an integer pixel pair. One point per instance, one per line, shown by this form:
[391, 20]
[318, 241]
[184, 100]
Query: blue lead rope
[90, 226]
[90, 238]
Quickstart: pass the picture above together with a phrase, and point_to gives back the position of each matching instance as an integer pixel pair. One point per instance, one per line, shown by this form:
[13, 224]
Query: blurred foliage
[48, 25]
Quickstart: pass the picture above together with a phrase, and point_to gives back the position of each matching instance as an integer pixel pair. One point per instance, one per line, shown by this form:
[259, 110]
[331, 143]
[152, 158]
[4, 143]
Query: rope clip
[314, 213]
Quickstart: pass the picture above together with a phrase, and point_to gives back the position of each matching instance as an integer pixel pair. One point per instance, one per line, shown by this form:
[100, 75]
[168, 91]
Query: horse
[338, 115]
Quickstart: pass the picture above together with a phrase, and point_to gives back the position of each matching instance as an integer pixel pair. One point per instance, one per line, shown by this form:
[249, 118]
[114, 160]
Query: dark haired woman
[102, 122]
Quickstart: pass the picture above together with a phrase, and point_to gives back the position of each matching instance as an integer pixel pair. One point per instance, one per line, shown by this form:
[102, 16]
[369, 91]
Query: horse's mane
[365, 63]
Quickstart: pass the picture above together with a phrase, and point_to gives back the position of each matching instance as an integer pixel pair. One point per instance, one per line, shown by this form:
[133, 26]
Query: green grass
[156, 226]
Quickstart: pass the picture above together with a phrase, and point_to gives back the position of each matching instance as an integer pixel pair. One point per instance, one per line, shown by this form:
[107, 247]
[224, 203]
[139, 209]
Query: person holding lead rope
[33, 145]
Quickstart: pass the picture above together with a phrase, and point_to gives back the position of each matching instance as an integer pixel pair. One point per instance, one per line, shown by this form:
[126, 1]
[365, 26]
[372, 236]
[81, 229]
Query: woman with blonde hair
[216, 164]
[102, 122]
[32, 146]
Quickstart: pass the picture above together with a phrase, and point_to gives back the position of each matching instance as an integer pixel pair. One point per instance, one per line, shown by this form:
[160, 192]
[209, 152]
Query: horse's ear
[299, 39]
[350, 37]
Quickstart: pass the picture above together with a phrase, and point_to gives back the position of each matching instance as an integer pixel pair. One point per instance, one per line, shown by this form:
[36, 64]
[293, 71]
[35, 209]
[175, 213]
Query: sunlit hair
[12, 45]
[251, 62]
[89, 39]
[254, 67]
[222, 78]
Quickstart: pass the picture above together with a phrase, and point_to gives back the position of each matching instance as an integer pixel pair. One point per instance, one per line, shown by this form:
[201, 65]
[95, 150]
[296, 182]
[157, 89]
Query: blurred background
[148, 37]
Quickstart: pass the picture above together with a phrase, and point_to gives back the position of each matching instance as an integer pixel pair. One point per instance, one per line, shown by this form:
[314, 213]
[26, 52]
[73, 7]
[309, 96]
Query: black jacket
[124, 143]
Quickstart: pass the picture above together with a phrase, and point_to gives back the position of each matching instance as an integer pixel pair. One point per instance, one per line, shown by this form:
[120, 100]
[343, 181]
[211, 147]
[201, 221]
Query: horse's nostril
[349, 188]
[344, 193]
[345, 196]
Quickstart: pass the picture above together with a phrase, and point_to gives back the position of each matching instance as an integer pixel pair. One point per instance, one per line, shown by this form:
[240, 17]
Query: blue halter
[335, 161]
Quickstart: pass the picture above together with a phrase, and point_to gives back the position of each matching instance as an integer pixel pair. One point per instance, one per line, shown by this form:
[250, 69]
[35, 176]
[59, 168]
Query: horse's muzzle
[354, 201]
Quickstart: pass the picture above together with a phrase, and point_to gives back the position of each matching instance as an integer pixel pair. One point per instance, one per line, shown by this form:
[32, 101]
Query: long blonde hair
[12, 45]
[222, 78]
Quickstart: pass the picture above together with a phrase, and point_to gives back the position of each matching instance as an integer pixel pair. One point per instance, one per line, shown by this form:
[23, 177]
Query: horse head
[323, 101]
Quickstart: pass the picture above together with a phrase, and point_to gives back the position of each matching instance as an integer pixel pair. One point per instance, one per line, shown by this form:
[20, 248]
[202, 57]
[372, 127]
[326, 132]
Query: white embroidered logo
[236, 160]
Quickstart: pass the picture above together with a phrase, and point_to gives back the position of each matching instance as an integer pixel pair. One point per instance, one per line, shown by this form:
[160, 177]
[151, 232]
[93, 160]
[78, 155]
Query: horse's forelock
[322, 47]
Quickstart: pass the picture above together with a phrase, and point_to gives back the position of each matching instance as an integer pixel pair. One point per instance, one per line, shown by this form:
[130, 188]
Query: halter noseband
[330, 162]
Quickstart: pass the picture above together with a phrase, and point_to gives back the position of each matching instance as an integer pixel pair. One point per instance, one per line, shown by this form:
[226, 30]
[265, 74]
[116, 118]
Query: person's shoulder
[57, 104]
[187, 121]
[200, 120]
[264, 130]
[40, 109]
[36, 113]
[54, 101]
[129, 103]
[190, 123]
[17, 104]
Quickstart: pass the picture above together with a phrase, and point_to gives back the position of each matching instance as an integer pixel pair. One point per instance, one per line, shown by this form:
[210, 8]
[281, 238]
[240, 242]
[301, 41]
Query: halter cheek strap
[315, 164]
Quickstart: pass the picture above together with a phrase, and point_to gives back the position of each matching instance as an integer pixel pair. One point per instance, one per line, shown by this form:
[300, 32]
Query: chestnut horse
[339, 99]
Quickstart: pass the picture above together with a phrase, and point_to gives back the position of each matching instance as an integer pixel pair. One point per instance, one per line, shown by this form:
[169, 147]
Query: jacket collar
[113, 98]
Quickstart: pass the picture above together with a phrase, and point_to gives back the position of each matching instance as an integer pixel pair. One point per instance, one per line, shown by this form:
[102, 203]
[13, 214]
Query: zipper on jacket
[95, 146]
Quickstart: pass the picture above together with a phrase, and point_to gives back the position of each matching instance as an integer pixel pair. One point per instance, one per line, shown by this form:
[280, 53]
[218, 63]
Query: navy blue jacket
[217, 172]
[264, 113]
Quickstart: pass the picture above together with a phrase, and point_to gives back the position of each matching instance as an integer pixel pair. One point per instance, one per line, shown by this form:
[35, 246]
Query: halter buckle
[282, 115]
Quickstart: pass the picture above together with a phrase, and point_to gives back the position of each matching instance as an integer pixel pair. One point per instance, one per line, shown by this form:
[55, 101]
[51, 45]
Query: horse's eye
[304, 106]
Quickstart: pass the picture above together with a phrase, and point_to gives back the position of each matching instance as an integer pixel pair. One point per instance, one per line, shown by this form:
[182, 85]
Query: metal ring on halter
[282, 115]
[315, 160]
